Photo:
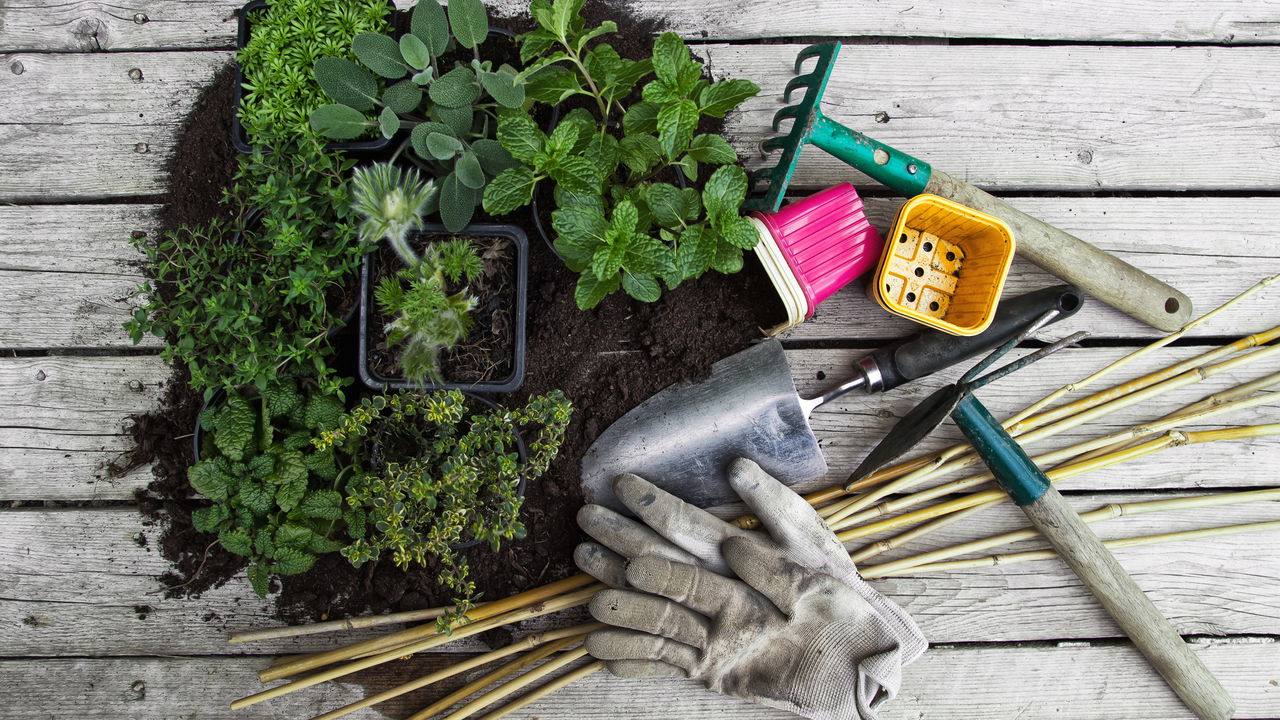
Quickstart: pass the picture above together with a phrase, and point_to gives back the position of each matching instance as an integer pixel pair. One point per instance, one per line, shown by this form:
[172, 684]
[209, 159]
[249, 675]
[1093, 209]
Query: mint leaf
[380, 54]
[728, 259]
[669, 55]
[255, 497]
[576, 174]
[234, 427]
[665, 203]
[553, 85]
[209, 480]
[725, 190]
[676, 125]
[695, 252]
[712, 150]
[579, 231]
[290, 535]
[606, 261]
[640, 153]
[562, 139]
[321, 504]
[590, 290]
[511, 189]
[648, 256]
[290, 561]
[624, 221]
[641, 287]
[660, 93]
[739, 232]
[209, 519]
[339, 122]
[519, 134]
[719, 98]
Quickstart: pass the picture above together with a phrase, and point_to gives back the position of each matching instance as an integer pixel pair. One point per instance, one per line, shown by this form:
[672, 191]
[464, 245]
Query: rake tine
[815, 51]
[807, 82]
[791, 111]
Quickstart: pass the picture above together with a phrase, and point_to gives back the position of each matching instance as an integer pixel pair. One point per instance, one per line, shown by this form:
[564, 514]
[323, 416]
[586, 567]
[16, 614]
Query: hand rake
[1095, 271]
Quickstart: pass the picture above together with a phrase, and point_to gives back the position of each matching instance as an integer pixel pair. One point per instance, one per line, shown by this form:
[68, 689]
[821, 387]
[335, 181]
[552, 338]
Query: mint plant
[274, 494]
[287, 38]
[447, 473]
[427, 317]
[449, 111]
[616, 224]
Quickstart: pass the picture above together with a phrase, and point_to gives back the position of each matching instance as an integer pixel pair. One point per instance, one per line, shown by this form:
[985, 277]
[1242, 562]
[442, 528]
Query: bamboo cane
[1078, 453]
[411, 635]
[566, 658]
[553, 639]
[1107, 512]
[1013, 558]
[545, 690]
[1170, 439]
[883, 546]
[563, 602]
[480, 683]
[1225, 397]
[1042, 432]
[337, 625]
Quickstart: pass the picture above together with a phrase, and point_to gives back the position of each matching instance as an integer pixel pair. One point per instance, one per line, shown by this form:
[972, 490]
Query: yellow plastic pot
[944, 265]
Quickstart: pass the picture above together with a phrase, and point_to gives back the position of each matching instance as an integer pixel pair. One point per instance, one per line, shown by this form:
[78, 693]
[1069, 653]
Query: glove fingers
[766, 568]
[602, 564]
[644, 669]
[699, 589]
[791, 521]
[650, 614]
[692, 529]
[625, 536]
[614, 645]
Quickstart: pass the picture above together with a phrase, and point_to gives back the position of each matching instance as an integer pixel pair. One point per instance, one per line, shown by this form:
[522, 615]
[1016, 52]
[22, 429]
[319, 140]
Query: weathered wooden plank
[1004, 117]
[1209, 247]
[71, 582]
[57, 431]
[95, 126]
[1037, 117]
[69, 271]
[85, 26]
[1077, 682]
[63, 417]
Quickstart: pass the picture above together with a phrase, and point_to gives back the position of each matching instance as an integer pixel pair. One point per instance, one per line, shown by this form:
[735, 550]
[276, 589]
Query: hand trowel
[682, 438]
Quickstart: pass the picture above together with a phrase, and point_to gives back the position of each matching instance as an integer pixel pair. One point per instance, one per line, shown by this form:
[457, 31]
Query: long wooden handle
[1096, 567]
[1132, 610]
[1097, 272]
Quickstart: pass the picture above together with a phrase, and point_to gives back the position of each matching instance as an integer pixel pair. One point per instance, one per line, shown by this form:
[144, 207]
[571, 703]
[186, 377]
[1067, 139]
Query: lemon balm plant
[444, 472]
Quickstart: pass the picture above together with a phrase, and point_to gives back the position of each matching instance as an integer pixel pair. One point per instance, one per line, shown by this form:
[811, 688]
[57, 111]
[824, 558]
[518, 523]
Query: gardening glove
[679, 532]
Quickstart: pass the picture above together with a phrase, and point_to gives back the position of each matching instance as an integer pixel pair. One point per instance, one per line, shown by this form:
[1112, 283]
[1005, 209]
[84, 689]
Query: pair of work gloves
[778, 616]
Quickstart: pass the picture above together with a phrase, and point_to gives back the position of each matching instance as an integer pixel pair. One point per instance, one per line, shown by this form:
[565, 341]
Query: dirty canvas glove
[783, 635]
[677, 531]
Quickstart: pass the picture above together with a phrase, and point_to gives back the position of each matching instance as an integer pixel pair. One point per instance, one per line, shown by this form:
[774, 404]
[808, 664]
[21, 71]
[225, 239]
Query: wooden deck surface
[1150, 128]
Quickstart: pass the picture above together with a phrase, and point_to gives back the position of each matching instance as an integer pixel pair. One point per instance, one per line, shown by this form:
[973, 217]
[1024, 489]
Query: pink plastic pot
[815, 246]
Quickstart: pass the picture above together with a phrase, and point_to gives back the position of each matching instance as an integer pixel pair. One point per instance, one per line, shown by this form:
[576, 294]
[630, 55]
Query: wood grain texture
[87, 26]
[950, 683]
[94, 126]
[1070, 117]
[69, 272]
[69, 269]
[56, 432]
[72, 581]
[64, 417]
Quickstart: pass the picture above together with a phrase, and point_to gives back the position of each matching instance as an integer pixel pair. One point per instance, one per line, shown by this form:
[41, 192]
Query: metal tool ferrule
[873, 378]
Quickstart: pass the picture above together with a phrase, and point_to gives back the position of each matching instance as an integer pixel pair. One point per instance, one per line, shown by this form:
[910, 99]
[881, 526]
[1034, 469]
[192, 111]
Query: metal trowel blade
[684, 437]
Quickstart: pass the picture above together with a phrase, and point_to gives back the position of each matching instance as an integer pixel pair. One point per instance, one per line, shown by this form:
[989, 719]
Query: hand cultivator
[1095, 271]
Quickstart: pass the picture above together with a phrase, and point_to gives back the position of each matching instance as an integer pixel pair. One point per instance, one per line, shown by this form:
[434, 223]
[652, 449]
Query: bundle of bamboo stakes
[875, 506]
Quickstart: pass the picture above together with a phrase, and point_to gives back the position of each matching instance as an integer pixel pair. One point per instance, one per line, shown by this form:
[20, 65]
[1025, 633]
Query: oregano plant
[448, 108]
[617, 222]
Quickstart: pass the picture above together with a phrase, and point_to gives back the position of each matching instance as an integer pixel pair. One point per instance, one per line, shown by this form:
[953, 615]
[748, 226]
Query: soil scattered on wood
[606, 360]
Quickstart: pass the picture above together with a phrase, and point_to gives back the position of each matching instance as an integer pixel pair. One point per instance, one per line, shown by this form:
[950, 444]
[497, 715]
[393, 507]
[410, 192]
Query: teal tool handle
[893, 168]
[1093, 563]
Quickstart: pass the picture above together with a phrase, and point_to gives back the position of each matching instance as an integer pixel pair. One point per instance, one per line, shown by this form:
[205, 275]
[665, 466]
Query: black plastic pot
[239, 138]
[374, 381]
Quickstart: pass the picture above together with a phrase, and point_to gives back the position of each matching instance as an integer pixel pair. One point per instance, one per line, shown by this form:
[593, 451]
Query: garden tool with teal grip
[1049, 512]
[1095, 271]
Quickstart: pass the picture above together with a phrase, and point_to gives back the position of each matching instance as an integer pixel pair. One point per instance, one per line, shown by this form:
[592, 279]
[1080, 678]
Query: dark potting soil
[606, 360]
[488, 351]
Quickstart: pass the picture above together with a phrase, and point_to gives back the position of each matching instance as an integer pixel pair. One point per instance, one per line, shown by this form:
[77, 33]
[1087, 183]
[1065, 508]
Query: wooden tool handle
[1097, 272]
[1133, 611]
